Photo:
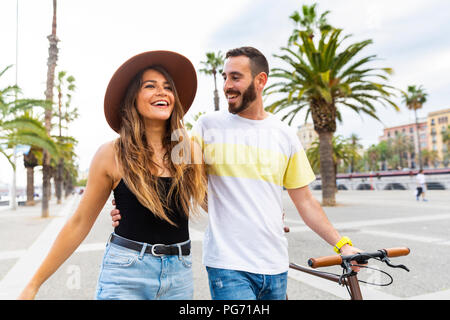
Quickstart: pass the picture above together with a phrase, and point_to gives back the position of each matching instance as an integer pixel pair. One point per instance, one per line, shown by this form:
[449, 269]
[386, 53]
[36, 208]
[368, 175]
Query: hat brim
[179, 67]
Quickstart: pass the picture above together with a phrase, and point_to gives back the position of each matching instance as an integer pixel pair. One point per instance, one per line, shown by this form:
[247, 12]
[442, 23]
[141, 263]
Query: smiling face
[239, 87]
[155, 99]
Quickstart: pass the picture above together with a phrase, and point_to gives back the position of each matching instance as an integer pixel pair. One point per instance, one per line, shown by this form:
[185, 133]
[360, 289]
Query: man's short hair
[258, 62]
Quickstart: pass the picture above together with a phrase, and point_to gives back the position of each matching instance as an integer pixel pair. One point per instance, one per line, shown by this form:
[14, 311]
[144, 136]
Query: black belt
[155, 249]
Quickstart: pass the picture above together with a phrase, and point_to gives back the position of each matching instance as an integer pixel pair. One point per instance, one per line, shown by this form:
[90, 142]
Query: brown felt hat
[179, 67]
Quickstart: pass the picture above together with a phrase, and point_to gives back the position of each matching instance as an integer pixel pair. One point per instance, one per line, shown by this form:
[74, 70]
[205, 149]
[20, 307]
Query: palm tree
[18, 125]
[372, 156]
[308, 22]
[51, 63]
[70, 172]
[414, 99]
[322, 80]
[430, 157]
[343, 151]
[384, 152]
[64, 83]
[402, 146]
[213, 65]
[27, 131]
[355, 145]
[189, 125]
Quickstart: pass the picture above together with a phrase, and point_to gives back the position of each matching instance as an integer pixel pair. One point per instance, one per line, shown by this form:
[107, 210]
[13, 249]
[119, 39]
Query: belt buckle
[153, 250]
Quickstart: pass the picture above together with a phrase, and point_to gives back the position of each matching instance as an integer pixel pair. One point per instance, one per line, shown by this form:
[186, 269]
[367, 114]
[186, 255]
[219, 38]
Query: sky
[96, 37]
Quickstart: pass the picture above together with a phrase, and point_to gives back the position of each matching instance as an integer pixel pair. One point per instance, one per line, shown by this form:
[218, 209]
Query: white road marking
[439, 295]
[410, 237]
[378, 222]
[14, 254]
[337, 290]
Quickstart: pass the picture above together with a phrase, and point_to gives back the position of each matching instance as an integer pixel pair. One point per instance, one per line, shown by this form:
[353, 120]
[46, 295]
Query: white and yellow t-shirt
[248, 163]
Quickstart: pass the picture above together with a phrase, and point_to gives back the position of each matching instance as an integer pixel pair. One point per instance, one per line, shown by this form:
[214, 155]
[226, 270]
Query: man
[421, 185]
[250, 156]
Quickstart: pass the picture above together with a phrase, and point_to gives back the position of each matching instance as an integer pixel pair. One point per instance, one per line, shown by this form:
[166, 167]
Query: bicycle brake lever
[349, 272]
[388, 262]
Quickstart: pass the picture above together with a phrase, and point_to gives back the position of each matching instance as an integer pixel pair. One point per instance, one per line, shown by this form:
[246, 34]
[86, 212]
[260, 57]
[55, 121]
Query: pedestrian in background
[421, 185]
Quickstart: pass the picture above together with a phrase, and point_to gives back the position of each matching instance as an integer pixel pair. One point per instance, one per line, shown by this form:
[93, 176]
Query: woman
[148, 256]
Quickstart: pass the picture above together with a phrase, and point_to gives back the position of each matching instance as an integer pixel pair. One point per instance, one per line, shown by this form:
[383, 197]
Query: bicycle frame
[351, 281]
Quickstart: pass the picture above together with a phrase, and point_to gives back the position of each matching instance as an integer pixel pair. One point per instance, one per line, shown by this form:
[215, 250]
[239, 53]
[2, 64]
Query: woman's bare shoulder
[105, 158]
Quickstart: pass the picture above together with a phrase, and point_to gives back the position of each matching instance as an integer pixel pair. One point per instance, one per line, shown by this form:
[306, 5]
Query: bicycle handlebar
[397, 252]
[361, 257]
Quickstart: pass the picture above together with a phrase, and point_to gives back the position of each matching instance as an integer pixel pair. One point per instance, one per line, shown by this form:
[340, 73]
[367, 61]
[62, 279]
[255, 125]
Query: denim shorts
[127, 274]
[227, 284]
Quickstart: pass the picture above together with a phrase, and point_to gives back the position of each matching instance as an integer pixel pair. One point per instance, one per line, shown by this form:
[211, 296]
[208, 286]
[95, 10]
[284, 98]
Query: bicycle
[349, 278]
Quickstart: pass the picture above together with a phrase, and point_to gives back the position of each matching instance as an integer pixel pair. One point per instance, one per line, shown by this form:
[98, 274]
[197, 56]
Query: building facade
[307, 135]
[411, 140]
[437, 122]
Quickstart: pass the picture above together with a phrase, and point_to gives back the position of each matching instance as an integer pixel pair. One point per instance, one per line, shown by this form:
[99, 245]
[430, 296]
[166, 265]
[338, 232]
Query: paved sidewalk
[373, 219]
[28, 237]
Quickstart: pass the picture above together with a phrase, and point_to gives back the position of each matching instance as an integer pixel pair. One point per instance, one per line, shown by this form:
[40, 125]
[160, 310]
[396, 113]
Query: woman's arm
[198, 159]
[77, 227]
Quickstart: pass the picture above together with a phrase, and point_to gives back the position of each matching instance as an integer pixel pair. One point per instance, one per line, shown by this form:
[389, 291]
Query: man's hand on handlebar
[348, 250]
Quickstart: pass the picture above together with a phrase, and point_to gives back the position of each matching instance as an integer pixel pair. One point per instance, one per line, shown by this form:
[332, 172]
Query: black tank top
[139, 224]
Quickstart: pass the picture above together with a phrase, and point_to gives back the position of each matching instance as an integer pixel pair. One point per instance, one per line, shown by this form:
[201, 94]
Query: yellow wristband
[344, 240]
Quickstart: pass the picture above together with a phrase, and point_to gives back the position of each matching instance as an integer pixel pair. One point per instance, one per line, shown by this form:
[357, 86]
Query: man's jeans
[227, 284]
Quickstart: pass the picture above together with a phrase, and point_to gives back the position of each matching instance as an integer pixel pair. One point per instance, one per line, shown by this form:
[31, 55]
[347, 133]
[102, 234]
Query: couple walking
[160, 177]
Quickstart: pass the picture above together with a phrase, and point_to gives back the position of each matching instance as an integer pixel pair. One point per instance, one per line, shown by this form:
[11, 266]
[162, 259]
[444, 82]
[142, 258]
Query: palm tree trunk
[216, 94]
[327, 171]
[30, 187]
[324, 118]
[418, 141]
[30, 161]
[59, 181]
[51, 63]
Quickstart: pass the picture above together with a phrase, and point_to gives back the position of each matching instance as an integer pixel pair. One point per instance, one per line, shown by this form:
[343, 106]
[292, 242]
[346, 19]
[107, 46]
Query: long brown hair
[135, 157]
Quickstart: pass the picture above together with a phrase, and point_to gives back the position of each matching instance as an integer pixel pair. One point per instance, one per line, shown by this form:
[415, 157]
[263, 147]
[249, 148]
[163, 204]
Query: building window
[443, 120]
[432, 122]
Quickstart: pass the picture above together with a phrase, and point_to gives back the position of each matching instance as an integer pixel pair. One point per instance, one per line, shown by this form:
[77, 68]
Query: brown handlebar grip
[325, 261]
[397, 252]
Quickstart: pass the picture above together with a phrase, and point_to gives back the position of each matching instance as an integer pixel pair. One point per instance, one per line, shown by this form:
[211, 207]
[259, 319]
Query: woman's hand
[28, 293]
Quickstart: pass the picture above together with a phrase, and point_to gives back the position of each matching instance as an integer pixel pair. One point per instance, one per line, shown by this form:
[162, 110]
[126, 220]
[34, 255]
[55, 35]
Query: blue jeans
[227, 284]
[131, 275]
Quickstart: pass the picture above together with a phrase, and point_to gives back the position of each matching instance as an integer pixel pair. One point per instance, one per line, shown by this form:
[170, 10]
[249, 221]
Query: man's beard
[248, 97]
